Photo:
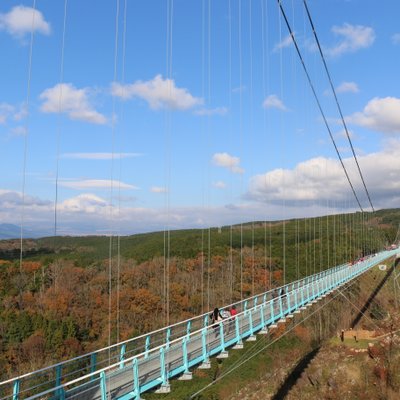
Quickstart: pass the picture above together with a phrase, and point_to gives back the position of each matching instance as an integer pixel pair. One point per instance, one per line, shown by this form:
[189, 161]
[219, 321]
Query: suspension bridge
[130, 368]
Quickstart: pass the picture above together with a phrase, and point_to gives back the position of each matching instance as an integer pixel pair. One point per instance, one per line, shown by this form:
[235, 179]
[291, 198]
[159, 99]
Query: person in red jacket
[233, 313]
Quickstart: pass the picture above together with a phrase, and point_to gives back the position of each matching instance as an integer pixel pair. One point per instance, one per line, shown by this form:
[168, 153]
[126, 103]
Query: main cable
[318, 102]
[337, 102]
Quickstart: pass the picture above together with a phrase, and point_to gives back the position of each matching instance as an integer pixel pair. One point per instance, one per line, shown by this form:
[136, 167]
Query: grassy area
[351, 343]
[224, 379]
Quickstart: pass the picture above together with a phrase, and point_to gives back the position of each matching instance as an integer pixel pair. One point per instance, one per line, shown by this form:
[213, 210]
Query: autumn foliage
[59, 310]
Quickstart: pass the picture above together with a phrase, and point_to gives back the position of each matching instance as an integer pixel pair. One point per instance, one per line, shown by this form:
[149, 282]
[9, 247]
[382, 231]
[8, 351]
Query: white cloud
[396, 38]
[212, 111]
[88, 203]
[304, 183]
[354, 37]
[239, 89]
[158, 92]
[8, 112]
[314, 187]
[220, 185]
[95, 184]
[18, 131]
[11, 199]
[5, 111]
[227, 161]
[65, 98]
[20, 21]
[273, 101]
[380, 114]
[343, 135]
[158, 189]
[286, 42]
[322, 180]
[99, 156]
[347, 87]
[21, 113]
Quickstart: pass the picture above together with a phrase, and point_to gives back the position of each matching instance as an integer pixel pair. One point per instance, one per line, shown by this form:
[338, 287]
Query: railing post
[165, 386]
[16, 390]
[93, 358]
[122, 356]
[136, 387]
[60, 392]
[206, 361]
[187, 375]
[168, 338]
[189, 325]
[239, 343]
[251, 338]
[245, 305]
[326, 282]
[320, 287]
[262, 317]
[147, 347]
[336, 278]
[272, 311]
[288, 302]
[224, 353]
[308, 292]
[103, 386]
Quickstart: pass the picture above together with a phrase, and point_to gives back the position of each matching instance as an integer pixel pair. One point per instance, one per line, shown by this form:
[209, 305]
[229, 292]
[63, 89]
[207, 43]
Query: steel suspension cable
[120, 174]
[282, 128]
[240, 136]
[264, 44]
[231, 278]
[318, 102]
[337, 101]
[59, 119]
[110, 248]
[209, 135]
[251, 138]
[25, 159]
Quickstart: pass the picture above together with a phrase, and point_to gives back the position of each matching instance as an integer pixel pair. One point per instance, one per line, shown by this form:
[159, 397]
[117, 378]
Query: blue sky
[140, 121]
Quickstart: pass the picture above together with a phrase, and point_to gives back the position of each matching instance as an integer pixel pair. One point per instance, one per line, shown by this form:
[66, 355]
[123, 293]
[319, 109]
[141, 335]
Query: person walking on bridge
[216, 319]
[233, 313]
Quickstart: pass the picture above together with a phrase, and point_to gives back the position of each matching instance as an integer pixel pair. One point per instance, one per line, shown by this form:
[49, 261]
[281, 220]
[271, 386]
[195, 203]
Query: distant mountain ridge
[11, 231]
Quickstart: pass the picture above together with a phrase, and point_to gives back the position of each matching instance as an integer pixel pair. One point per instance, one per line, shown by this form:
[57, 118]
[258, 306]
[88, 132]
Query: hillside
[55, 304]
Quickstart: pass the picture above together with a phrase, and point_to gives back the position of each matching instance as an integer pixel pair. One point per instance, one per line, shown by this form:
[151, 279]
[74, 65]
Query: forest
[58, 299]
